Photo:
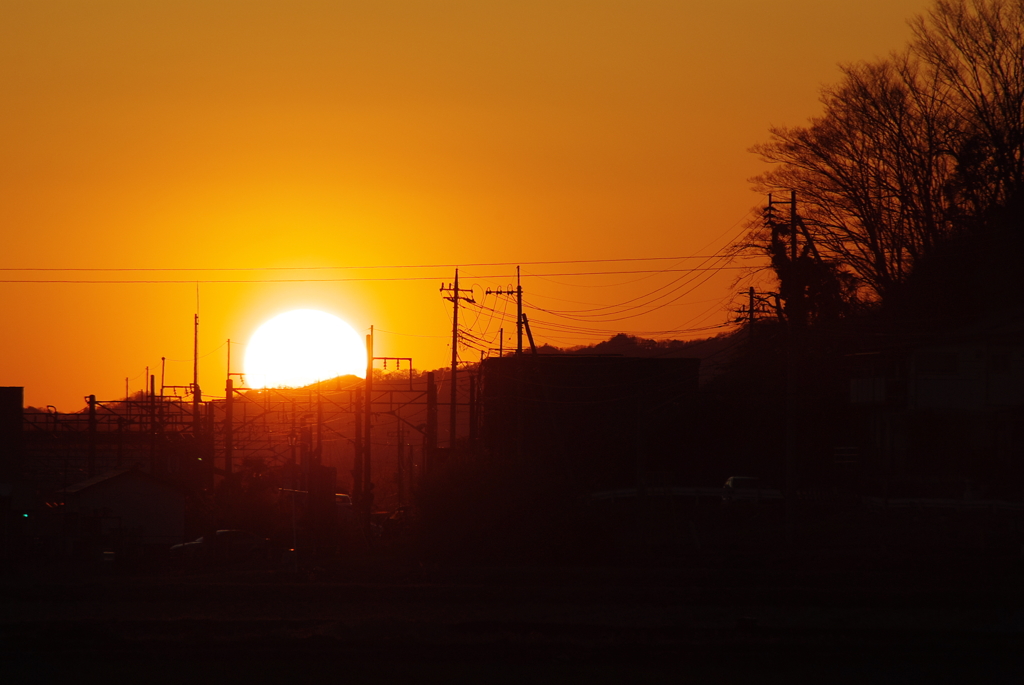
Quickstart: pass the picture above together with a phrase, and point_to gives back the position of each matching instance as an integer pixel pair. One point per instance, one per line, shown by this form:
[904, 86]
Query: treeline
[913, 153]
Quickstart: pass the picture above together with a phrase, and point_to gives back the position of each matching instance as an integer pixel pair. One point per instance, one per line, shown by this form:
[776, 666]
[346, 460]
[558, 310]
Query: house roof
[113, 475]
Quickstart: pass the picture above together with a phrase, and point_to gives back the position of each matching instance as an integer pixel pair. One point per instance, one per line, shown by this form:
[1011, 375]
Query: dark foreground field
[792, 618]
[914, 597]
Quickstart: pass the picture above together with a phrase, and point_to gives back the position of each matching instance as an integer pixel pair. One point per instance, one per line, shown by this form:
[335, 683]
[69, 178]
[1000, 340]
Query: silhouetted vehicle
[747, 489]
[377, 520]
[398, 522]
[227, 546]
[345, 513]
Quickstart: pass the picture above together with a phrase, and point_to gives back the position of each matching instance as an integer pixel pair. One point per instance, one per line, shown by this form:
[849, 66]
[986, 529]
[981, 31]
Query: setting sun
[301, 347]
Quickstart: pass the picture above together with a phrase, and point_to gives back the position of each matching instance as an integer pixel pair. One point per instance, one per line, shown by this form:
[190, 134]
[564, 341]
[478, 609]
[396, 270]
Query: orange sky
[210, 134]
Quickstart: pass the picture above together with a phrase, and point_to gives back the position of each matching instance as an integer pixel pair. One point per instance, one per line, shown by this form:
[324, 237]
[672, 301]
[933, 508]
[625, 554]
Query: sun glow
[301, 347]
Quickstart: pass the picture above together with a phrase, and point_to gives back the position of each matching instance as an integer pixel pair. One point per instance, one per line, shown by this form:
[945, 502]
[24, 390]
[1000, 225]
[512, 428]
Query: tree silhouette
[910, 150]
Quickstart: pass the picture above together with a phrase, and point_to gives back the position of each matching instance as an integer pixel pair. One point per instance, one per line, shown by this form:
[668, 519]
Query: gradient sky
[216, 134]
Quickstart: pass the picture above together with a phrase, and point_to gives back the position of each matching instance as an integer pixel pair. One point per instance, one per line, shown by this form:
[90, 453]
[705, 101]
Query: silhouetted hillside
[713, 352]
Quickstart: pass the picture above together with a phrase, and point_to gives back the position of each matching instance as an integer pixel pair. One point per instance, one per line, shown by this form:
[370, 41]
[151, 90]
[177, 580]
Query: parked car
[398, 522]
[747, 489]
[345, 511]
[226, 546]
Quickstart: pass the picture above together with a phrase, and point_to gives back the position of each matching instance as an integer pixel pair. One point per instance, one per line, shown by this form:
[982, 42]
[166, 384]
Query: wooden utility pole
[454, 298]
[197, 395]
[357, 463]
[367, 430]
[229, 403]
[400, 473]
[153, 426]
[472, 415]
[229, 423]
[195, 351]
[750, 313]
[91, 463]
[792, 227]
[529, 334]
[792, 330]
[520, 319]
[293, 441]
[430, 435]
[519, 313]
[455, 362]
[319, 426]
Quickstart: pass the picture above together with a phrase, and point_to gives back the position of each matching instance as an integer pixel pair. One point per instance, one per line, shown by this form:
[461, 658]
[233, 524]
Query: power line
[192, 281]
[345, 268]
[621, 312]
[716, 262]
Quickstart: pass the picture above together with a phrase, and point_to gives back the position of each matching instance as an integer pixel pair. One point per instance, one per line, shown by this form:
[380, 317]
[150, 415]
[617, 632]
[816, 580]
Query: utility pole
[305, 450]
[472, 416]
[796, 317]
[357, 463]
[229, 423]
[153, 426]
[367, 486]
[400, 473]
[754, 301]
[229, 403]
[401, 466]
[520, 320]
[519, 313]
[229, 416]
[430, 435]
[529, 334]
[197, 395]
[792, 227]
[454, 299]
[91, 465]
[750, 313]
[195, 353]
[319, 453]
[791, 423]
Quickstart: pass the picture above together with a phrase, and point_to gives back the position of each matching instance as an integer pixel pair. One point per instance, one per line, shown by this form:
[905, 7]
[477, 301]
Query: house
[594, 422]
[123, 508]
[942, 414]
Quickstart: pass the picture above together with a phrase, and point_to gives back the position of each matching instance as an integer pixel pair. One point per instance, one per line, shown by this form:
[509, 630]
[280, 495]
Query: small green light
[24, 516]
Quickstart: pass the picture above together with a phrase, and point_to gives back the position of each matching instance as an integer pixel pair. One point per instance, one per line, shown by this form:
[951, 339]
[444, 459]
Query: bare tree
[976, 50]
[909, 148]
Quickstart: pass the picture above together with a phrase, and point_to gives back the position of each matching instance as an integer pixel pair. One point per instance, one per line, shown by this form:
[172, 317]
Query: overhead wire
[192, 281]
[623, 313]
[204, 356]
[351, 267]
[739, 253]
[665, 295]
[721, 259]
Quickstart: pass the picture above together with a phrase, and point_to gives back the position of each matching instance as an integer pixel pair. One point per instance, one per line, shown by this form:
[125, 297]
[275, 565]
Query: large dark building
[11, 434]
[593, 422]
